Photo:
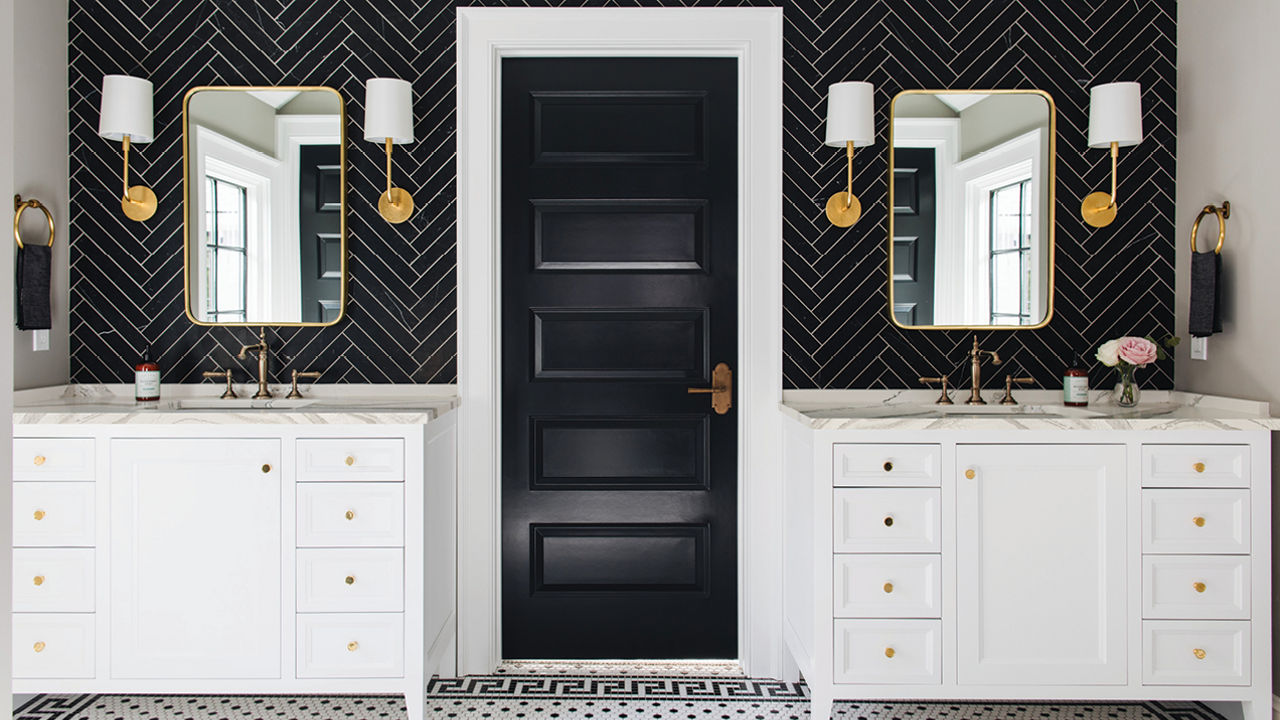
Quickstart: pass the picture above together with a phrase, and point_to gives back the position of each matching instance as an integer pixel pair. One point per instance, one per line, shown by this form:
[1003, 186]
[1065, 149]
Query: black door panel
[914, 234]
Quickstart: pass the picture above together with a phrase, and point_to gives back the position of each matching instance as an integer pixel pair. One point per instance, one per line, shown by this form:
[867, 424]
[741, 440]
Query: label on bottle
[146, 385]
[1075, 390]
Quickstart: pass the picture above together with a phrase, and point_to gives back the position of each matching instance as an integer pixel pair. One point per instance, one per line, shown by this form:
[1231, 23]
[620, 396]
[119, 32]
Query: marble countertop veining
[200, 404]
[1037, 410]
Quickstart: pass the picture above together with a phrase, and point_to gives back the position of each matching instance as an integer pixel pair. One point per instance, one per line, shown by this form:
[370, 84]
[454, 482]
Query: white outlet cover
[1199, 348]
[39, 340]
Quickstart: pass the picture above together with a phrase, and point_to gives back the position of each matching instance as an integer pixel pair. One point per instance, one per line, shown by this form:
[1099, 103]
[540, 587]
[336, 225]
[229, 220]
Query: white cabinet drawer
[1195, 587]
[1195, 466]
[893, 520]
[888, 586]
[351, 646]
[887, 465]
[1195, 521]
[886, 652]
[53, 514]
[52, 646]
[1202, 652]
[350, 514]
[53, 459]
[53, 580]
[350, 459]
[340, 580]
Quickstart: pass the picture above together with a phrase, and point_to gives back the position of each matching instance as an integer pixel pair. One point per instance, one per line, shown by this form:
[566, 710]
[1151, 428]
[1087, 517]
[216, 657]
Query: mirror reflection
[265, 205]
[971, 192]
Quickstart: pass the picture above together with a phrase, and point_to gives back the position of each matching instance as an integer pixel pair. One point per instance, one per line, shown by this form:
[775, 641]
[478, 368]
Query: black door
[914, 234]
[619, 292]
[320, 231]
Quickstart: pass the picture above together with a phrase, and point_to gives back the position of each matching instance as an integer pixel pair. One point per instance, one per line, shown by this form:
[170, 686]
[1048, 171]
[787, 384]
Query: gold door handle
[37, 580]
[1200, 587]
[889, 652]
[351, 579]
[1198, 653]
[353, 646]
[39, 460]
[38, 647]
[350, 515]
[721, 389]
[39, 514]
[1198, 520]
[888, 587]
[1199, 467]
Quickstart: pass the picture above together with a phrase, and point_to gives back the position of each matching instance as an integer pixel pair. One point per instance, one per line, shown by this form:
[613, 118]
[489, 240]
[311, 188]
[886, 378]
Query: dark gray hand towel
[33, 287]
[1206, 294]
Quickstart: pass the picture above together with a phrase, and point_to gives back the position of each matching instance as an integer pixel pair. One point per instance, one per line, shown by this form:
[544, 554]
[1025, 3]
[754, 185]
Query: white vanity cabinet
[215, 554]
[1026, 564]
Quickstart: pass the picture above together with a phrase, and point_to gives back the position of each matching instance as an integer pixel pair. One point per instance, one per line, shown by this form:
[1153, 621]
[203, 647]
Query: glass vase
[1127, 392]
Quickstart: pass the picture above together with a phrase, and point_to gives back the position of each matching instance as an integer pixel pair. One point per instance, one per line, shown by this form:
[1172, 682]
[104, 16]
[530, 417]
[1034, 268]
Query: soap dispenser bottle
[146, 379]
[1075, 384]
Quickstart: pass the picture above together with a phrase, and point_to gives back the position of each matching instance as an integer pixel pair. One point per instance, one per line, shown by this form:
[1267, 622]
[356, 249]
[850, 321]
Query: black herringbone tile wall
[126, 277]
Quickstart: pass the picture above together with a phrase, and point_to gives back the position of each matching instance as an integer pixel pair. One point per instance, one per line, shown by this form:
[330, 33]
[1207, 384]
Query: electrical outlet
[1199, 348]
[39, 340]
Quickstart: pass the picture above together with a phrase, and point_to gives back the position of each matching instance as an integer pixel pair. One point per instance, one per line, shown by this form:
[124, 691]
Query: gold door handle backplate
[721, 389]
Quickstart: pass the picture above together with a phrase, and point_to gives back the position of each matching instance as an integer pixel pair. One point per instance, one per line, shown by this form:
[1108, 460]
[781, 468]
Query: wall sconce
[125, 115]
[388, 118]
[850, 123]
[1115, 121]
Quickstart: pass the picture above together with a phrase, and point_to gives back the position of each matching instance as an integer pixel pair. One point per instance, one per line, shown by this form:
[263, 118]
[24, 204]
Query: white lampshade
[126, 109]
[1115, 114]
[851, 114]
[388, 110]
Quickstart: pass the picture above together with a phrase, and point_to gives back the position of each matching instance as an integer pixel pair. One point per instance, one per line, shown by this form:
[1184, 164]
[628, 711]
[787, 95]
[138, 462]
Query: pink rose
[1137, 351]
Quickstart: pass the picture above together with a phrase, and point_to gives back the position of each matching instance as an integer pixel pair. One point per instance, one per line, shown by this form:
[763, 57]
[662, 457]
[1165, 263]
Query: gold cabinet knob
[353, 646]
[1198, 520]
[351, 579]
[888, 587]
[39, 514]
[1198, 653]
[1199, 467]
[38, 580]
[39, 646]
[888, 652]
[39, 460]
[350, 461]
[888, 466]
[350, 515]
[970, 474]
[1200, 587]
[266, 468]
[888, 521]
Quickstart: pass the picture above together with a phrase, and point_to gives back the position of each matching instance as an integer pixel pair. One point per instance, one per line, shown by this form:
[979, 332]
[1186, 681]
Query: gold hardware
[1199, 521]
[1198, 653]
[39, 646]
[39, 460]
[1222, 213]
[888, 587]
[888, 521]
[350, 461]
[1199, 467]
[37, 580]
[19, 206]
[264, 357]
[396, 204]
[944, 398]
[39, 514]
[721, 389]
[294, 393]
[1009, 380]
[1200, 587]
[975, 358]
[266, 468]
[970, 474]
[353, 646]
[888, 466]
[843, 209]
[1099, 209]
[138, 202]
[351, 514]
[230, 392]
[351, 580]
[889, 652]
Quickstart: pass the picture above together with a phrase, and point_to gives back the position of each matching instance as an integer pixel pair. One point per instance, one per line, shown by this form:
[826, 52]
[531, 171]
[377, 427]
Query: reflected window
[1011, 234]
[226, 262]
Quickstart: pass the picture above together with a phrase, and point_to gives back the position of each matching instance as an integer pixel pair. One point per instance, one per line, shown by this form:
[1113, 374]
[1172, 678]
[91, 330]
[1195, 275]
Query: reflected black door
[619, 292]
[914, 234]
[320, 231]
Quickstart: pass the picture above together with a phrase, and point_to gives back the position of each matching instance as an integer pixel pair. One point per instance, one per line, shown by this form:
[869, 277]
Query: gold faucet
[264, 356]
[975, 356]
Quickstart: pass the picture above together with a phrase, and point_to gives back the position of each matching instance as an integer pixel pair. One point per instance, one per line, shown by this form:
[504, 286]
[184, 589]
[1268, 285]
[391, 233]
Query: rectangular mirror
[265, 205]
[971, 175]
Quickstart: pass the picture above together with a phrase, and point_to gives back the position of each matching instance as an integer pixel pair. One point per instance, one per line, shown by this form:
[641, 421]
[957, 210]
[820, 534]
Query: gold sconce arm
[396, 204]
[1099, 209]
[843, 209]
[138, 202]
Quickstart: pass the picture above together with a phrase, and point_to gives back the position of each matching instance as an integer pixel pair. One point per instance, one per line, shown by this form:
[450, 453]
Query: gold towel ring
[19, 205]
[1223, 213]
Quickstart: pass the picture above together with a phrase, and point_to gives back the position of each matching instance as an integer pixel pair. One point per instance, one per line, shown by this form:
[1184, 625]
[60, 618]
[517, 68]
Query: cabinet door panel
[1041, 564]
[195, 553]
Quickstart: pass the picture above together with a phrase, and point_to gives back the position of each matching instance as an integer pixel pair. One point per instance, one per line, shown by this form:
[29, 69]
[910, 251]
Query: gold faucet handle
[230, 392]
[294, 393]
[943, 399]
[1009, 380]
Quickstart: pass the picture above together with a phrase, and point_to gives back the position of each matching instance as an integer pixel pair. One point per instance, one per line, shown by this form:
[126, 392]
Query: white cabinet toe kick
[1029, 565]
[234, 559]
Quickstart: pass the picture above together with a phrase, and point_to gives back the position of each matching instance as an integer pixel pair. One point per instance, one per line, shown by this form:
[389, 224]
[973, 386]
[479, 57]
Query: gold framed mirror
[971, 198]
[265, 205]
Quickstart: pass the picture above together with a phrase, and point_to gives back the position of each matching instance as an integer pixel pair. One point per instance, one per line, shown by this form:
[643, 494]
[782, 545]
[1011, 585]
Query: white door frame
[754, 37]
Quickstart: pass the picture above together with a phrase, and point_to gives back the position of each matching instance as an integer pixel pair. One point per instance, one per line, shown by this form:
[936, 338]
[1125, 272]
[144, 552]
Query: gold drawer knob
[888, 587]
[353, 646]
[39, 646]
[350, 461]
[889, 653]
[888, 521]
[1199, 467]
[1200, 587]
[38, 580]
[39, 514]
[888, 466]
[970, 474]
[39, 460]
[1198, 520]
[1198, 653]
[351, 580]
[350, 515]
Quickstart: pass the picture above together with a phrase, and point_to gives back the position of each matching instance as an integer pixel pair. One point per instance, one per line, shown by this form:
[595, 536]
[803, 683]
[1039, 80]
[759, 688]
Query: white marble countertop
[1037, 410]
[200, 404]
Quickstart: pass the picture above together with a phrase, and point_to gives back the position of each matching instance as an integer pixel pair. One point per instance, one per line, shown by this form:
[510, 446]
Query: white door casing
[754, 36]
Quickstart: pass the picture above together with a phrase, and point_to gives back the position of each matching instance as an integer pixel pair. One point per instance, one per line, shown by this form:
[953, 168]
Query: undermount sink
[240, 403]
